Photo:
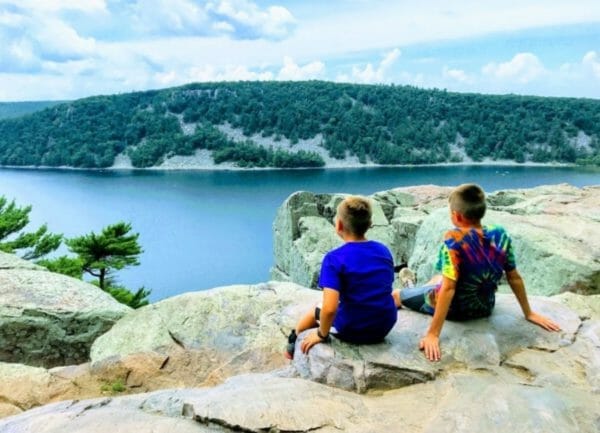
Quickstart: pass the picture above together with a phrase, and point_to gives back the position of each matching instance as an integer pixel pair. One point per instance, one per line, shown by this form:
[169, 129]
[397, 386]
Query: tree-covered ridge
[16, 109]
[381, 123]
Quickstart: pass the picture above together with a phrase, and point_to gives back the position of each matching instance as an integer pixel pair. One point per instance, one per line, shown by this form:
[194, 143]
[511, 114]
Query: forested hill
[16, 109]
[265, 123]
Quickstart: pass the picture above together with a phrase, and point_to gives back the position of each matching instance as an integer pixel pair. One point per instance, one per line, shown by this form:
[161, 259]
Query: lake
[203, 229]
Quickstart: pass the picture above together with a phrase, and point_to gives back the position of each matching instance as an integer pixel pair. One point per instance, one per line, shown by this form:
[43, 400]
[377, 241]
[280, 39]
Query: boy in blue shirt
[356, 279]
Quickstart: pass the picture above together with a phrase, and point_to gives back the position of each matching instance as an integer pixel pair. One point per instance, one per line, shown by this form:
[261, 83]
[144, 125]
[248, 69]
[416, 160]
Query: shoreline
[331, 167]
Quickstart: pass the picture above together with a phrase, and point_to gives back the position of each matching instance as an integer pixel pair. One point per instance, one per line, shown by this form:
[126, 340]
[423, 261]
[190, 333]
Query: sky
[68, 49]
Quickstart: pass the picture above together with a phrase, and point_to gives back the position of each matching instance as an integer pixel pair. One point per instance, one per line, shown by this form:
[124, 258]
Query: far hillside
[16, 109]
[303, 124]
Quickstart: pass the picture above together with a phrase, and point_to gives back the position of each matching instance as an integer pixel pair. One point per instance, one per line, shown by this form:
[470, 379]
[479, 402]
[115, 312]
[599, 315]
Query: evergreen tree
[34, 245]
[113, 249]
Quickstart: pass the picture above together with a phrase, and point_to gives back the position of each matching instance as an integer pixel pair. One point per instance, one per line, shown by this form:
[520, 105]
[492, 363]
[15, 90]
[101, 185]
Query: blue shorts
[416, 298]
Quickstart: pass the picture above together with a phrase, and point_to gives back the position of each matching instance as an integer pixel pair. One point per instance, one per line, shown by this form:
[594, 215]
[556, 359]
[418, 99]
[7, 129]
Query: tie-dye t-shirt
[475, 259]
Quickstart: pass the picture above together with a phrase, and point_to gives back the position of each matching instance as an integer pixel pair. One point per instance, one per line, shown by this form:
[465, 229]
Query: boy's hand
[430, 344]
[543, 322]
[309, 341]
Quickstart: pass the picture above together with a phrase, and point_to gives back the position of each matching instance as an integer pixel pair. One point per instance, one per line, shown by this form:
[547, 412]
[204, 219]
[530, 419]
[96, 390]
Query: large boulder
[260, 403]
[49, 319]
[555, 229]
[203, 337]
[304, 231]
[476, 344]
[555, 232]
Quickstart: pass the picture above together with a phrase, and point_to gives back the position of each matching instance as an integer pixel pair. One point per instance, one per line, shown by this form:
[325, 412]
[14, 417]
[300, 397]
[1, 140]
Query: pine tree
[113, 249]
[34, 245]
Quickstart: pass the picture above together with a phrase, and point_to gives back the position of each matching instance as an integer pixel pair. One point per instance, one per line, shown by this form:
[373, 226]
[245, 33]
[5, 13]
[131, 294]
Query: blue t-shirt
[363, 273]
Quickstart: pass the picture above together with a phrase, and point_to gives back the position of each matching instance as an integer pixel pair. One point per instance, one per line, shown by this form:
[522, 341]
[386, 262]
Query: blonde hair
[468, 199]
[355, 213]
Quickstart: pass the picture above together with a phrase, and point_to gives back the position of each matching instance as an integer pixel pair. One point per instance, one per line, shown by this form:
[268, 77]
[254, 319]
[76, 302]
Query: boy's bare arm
[518, 287]
[430, 344]
[331, 300]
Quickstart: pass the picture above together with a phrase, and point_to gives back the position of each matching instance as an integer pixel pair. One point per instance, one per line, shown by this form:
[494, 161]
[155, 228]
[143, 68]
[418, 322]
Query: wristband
[325, 338]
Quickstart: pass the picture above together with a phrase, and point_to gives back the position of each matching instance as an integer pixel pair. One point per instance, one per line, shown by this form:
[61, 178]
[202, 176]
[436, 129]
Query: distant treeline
[385, 124]
[16, 109]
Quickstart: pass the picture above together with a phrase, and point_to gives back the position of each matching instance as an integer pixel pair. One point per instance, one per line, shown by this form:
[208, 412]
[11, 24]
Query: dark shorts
[422, 299]
[354, 338]
[417, 298]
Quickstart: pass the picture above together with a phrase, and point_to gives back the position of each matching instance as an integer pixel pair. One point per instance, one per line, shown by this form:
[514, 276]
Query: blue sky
[65, 49]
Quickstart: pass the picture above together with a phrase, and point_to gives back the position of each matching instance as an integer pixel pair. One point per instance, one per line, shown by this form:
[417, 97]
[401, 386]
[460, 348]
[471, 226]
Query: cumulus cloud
[522, 68]
[86, 6]
[239, 19]
[591, 62]
[28, 38]
[229, 73]
[456, 74]
[372, 74]
[251, 22]
[293, 72]
[179, 17]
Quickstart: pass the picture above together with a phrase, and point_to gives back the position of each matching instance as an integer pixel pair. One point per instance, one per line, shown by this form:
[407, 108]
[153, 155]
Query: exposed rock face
[478, 344]
[497, 374]
[482, 402]
[202, 337]
[48, 319]
[555, 229]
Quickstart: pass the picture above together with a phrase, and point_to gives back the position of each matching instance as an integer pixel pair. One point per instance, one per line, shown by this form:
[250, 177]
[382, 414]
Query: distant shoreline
[332, 167]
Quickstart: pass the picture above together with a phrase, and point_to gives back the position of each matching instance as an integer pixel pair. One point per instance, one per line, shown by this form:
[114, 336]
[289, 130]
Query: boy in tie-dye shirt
[471, 261]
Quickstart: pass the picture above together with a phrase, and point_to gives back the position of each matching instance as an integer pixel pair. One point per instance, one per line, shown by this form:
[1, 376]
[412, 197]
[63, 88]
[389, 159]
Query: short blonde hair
[469, 200]
[355, 213]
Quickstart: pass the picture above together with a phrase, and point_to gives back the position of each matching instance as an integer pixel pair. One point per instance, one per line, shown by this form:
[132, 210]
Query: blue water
[202, 229]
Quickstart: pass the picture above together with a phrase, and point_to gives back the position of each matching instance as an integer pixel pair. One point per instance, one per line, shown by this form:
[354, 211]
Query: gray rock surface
[203, 337]
[497, 374]
[472, 345]
[555, 229]
[304, 232]
[479, 402]
[48, 319]
[555, 232]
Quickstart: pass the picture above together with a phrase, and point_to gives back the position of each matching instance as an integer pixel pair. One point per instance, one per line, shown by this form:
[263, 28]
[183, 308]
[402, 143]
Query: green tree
[101, 254]
[71, 266]
[13, 220]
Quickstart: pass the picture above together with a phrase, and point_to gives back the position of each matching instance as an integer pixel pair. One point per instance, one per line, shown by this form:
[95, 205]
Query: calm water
[205, 229]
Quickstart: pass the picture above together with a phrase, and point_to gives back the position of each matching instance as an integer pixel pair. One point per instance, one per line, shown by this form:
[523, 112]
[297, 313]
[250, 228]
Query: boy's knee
[396, 296]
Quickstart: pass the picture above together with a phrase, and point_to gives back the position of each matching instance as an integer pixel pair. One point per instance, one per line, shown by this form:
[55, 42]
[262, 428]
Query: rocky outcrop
[496, 373]
[479, 344]
[556, 233]
[202, 338]
[48, 319]
[481, 402]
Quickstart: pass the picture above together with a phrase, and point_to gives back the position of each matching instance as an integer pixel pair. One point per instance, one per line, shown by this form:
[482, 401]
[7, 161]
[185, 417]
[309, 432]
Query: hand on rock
[309, 341]
[430, 344]
[543, 322]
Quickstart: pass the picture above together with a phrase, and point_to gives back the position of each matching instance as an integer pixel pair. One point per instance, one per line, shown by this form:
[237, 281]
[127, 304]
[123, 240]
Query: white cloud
[363, 26]
[58, 40]
[456, 74]
[370, 74]
[230, 73]
[274, 22]
[522, 68]
[591, 61]
[86, 6]
[240, 19]
[294, 72]
[170, 16]
[28, 38]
